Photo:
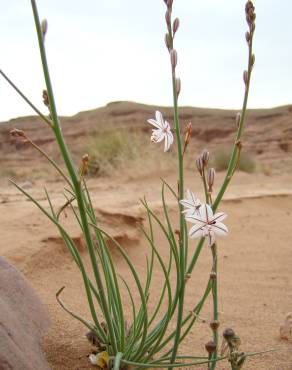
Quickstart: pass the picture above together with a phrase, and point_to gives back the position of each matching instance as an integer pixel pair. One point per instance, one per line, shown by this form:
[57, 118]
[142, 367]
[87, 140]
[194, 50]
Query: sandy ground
[255, 261]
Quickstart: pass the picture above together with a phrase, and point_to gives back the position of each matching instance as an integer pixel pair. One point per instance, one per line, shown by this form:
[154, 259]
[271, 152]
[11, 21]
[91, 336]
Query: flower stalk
[143, 342]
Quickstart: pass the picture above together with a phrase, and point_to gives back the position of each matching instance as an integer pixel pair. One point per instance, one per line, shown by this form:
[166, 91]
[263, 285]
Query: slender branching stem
[38, 112]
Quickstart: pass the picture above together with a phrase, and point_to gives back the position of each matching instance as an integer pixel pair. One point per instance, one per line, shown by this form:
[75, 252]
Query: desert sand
[255, 259]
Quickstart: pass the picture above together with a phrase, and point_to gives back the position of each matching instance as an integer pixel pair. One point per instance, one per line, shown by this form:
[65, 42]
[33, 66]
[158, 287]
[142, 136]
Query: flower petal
[196, 231]
[159, 118]
[154, 123]
[157, 136]
[195, 219]
[211, 239]
[220, 216]
[206, 212]
[219, 228]
[166, 143]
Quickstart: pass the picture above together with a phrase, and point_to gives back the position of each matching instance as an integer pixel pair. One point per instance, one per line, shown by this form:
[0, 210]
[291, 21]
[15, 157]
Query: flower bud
[167, 41]
[245, 77]
[200, 166]
[247, 37]
[205, 157]
[169, 3]
[44, 27]
[210, 178]
[210, 347]
[177, 85]
[173, 58]
[237, 119]
[175, 25]
[168, 18]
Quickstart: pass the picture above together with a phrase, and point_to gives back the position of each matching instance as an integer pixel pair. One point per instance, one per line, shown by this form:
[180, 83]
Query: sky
[101, 51]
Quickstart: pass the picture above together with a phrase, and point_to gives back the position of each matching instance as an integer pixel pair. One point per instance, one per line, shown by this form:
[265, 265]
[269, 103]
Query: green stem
[183, 240]
[74, 177]
[232, 161]
[215, 303]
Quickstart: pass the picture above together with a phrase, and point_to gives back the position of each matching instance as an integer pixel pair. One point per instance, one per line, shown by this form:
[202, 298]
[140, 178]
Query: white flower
[191, 204]
[162, 131]
[206, 224]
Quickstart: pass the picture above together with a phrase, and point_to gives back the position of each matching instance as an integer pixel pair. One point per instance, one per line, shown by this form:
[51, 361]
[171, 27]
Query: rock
[23, 320]
[286, 328]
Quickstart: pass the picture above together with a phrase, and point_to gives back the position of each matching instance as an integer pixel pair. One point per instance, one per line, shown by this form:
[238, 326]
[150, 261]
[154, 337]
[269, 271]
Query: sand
[255, 285]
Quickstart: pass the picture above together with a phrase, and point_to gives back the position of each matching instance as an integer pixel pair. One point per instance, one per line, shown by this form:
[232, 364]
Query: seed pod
[213, 275]
[175, 25]
[214, 325]
[210, 347]
[228, 334]
[173, 58]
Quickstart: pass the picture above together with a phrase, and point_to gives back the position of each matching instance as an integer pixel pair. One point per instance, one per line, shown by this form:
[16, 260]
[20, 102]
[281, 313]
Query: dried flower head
[46, 98]
[17, 133]
[187, 136]
[162, 131]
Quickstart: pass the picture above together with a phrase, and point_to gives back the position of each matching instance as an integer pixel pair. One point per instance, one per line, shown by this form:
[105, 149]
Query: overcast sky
[107, 50]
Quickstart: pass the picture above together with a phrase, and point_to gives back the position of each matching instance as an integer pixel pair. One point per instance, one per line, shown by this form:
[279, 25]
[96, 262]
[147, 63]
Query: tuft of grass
[111, 149]
[115, 150]
[221, 158]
